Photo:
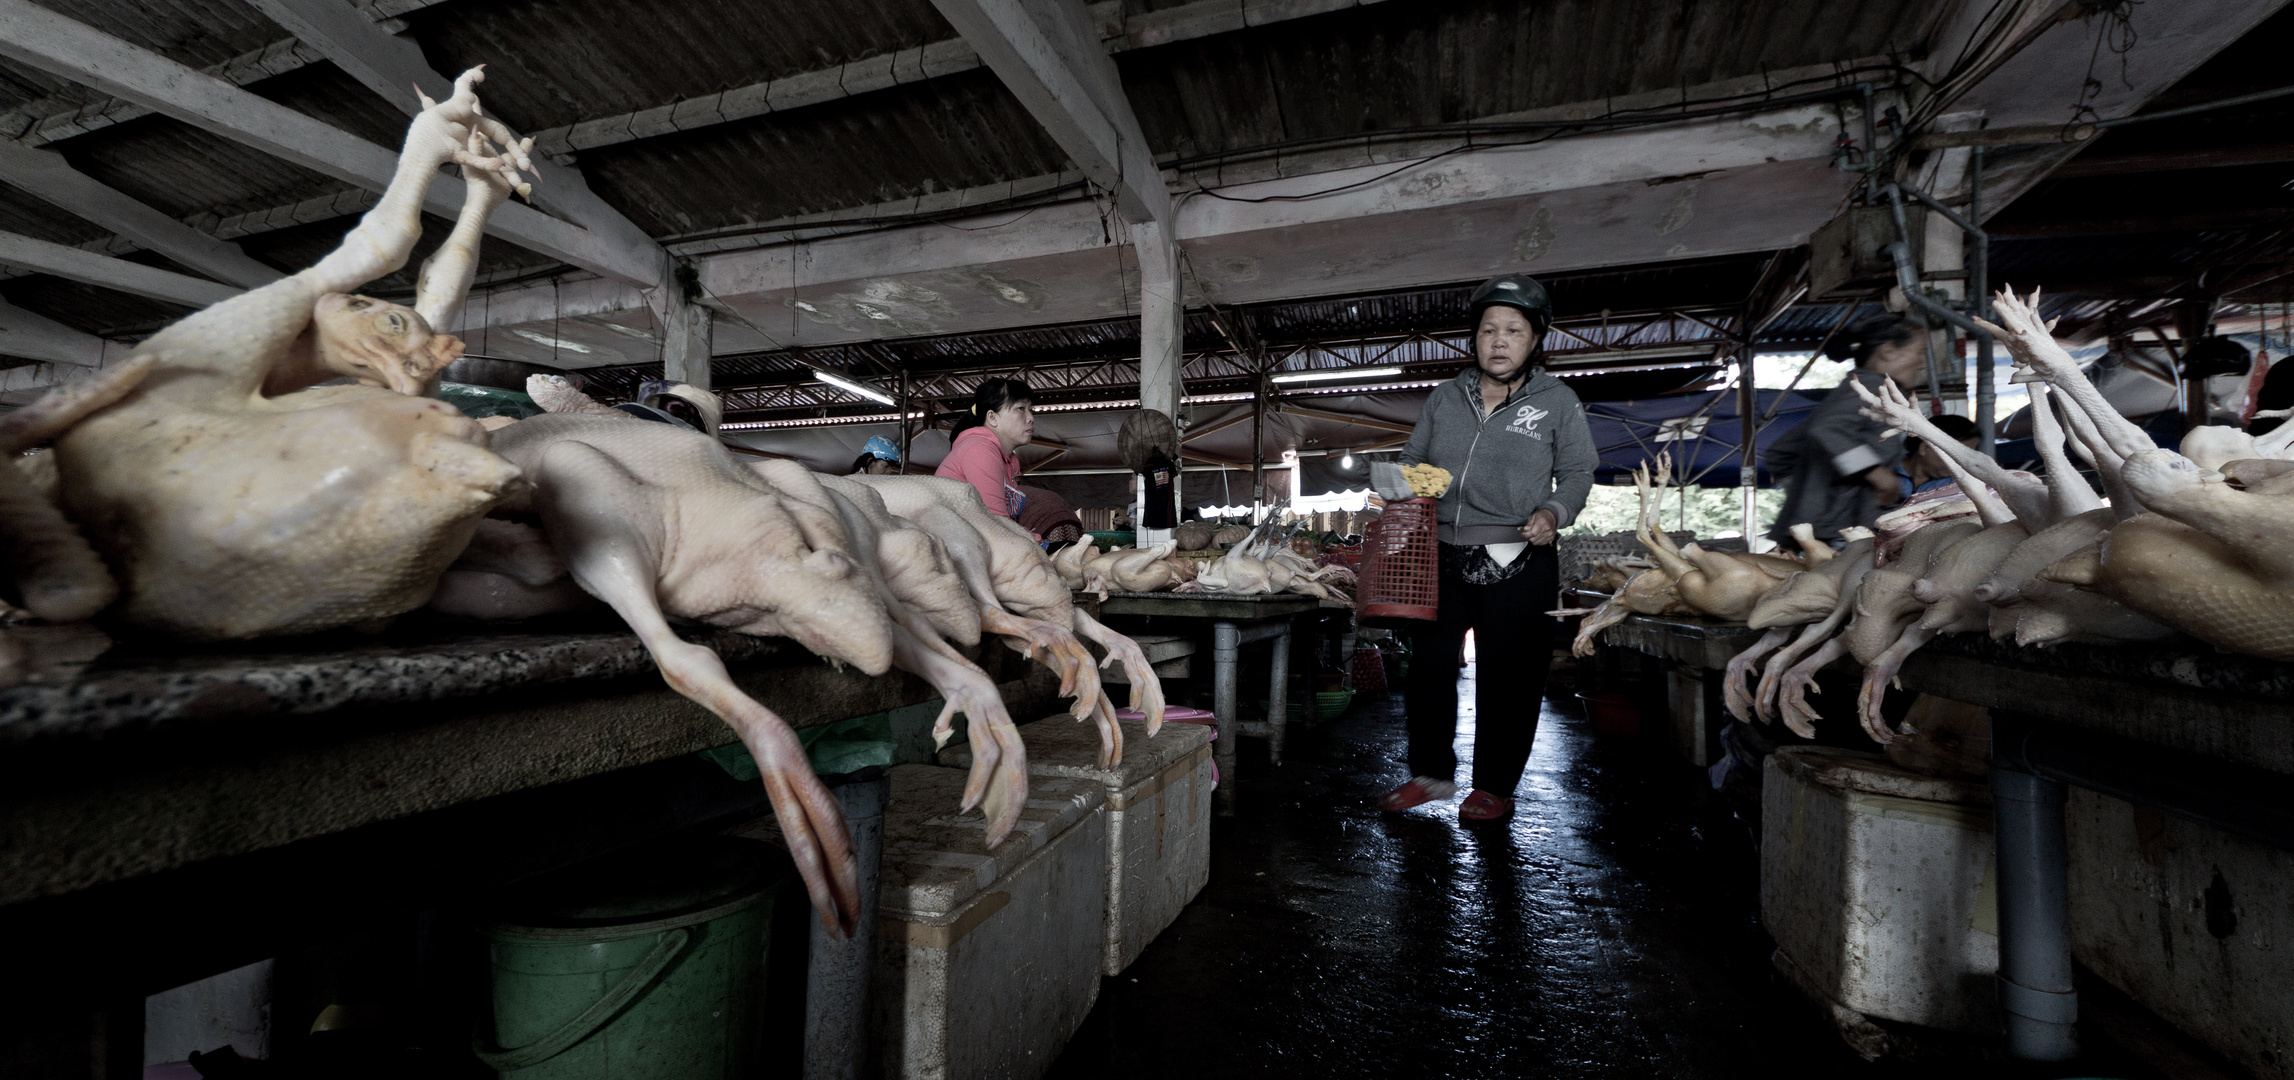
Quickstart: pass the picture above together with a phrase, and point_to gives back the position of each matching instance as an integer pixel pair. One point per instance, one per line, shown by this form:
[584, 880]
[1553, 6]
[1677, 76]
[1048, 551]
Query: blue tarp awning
[1701, 431]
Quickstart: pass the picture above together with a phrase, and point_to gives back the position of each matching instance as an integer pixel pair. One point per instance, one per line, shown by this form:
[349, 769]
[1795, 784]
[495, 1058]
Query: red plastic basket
[1401, 574]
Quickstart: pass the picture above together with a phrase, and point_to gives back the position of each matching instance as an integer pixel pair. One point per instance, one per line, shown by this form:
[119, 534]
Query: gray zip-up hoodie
[1535, 450]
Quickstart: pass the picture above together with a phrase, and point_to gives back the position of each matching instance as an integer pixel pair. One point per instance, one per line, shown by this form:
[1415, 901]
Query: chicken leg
[615, 560]
[1733, 692]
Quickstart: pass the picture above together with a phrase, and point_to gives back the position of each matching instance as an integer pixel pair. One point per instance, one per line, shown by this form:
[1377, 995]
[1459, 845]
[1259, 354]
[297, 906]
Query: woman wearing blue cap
[878, 457]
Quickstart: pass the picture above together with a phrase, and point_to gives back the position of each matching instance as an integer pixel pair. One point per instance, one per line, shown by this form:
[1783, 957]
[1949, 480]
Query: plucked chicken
[1022, 598]
[660, 522]
[236, 497]
[56, 575]
[1723, 585]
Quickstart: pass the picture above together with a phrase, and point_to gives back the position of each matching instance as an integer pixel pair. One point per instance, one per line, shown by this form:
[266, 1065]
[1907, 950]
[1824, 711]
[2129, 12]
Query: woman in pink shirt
[1001, 420]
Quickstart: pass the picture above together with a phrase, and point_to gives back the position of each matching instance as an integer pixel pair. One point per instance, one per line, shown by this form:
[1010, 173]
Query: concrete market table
[170, 812]
[1700, 648]
[2177, 727]
[1235, 620]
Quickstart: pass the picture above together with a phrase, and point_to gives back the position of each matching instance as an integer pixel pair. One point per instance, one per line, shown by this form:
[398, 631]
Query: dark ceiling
[551, 63]
[2190, 208]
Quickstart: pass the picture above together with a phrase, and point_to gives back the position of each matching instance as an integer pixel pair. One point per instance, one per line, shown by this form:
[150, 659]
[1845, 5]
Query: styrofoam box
[2186, 919]
[1878, 885]
[1158, 818]
[988, 960]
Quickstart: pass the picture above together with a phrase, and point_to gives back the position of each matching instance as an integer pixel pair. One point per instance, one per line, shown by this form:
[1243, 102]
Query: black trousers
[1513, 649]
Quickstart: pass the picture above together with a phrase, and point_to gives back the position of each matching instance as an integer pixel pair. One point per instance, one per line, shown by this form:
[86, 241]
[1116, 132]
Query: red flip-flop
[1481, 808]
[1417, 792]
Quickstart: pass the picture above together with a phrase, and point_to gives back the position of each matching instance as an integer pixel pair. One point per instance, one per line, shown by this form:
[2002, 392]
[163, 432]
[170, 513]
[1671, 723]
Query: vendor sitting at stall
[878, 457]
[1520, 456]
[1838, 468]
[984, 451]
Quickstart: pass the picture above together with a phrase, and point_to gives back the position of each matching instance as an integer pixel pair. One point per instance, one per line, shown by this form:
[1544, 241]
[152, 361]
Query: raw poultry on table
[1023, 599]
[2210, 553]
[2005, 573]
[236, 497]
[1263, 562]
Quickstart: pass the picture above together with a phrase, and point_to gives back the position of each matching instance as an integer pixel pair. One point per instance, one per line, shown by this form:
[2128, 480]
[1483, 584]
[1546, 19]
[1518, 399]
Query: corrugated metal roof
[183, 171]
[102, 312]
[1399, 65]
[553, 62]
[965, 130]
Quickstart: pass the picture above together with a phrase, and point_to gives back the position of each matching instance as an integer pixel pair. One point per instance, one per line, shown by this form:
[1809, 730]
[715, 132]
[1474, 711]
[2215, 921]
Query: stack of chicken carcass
[1262, 562]
[2199, 542]
[209, 489]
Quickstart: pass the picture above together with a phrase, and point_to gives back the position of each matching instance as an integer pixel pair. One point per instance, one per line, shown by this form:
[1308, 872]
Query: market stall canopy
[1702, 432]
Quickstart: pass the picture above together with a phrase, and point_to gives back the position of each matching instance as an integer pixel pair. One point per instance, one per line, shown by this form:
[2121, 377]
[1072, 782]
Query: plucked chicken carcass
[236, 497]
[1723, 585]
[1070, 561]
[659, 522]
[56, 575]
[1798, 610]
[917, 567]
[1882, 606]
[2214, 559]
[1137, 570]
[902, 569]
[1650, 592]
[1022, 598]
[2210, 556]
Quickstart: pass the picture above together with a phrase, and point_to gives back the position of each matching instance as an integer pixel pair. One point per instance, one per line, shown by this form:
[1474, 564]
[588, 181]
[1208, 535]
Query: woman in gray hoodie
[1520, 457]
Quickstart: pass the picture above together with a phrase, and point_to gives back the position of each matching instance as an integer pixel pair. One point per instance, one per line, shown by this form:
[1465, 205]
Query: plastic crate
[1401, 575]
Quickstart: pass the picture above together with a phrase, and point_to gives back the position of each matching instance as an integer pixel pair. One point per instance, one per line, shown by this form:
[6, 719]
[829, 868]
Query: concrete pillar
[1162, 319]
[841, 969]
[686, 343]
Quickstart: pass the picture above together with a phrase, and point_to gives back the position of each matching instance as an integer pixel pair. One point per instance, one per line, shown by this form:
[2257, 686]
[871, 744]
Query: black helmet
[1515, 291]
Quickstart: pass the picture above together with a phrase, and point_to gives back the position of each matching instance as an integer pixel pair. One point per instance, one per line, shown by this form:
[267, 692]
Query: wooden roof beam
[1051, 60]
[42, 39]
[48, 176]
[37, 337]
[393, 67]
[89, 268]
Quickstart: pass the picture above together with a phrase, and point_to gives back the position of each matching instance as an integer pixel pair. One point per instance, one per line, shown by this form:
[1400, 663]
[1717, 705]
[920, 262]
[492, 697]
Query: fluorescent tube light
[1338, 373]
[852, 386]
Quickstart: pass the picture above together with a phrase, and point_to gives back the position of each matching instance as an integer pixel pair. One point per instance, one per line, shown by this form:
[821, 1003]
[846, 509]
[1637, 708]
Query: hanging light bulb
[1347, 462]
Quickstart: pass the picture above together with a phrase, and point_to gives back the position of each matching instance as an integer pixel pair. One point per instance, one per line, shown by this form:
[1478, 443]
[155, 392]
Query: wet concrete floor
[1610, 930]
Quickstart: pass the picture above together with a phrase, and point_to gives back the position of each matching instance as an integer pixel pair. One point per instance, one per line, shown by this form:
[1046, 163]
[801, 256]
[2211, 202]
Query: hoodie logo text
[1525, 421]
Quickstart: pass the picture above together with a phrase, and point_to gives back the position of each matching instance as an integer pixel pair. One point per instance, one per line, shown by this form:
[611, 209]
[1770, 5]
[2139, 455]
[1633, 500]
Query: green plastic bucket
[638, 967]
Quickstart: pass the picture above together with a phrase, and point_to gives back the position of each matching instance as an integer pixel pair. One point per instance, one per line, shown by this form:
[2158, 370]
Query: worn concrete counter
[470, 755]
[2180, 694]
[1688, 639]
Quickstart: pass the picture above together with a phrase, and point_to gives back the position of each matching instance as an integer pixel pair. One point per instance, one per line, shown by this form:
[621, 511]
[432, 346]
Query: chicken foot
[1146, 686]
[1733, 693]
[1772, 676]
[1793, 688]
[2029, 339]
[1882, 671]
[997, 784]
[1056, 647]
[2022, 495]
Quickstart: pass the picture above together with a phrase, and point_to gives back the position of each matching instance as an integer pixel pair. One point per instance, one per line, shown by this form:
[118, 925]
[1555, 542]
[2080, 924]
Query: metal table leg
[1226, 651]
[1278, 694]
[2035, 985]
